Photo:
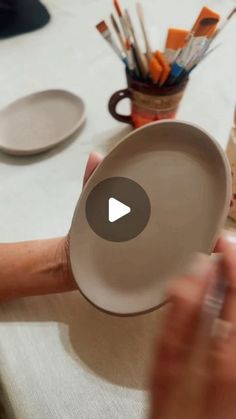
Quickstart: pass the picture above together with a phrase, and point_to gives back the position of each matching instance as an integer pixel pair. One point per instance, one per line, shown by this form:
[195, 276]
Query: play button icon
[117, 209]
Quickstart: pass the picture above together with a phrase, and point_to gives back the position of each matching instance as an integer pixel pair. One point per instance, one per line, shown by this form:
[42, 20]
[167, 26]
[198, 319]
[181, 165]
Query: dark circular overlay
[129, 193]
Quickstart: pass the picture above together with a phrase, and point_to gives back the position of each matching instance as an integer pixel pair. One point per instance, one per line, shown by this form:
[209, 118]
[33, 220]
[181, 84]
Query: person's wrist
[63, 255]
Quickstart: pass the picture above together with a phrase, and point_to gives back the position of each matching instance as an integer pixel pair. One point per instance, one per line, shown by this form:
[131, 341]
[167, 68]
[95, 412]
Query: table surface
[60, 357]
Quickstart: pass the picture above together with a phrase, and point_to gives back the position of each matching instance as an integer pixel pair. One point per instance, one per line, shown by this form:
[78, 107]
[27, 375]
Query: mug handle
[113, 102]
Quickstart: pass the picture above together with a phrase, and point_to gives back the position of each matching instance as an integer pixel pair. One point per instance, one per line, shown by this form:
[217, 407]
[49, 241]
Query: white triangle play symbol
[117, 210]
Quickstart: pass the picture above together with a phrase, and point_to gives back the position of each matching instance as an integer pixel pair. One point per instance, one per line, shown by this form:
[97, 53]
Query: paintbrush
[203, 45]
[224, 23]
[231, 14]
[140, 57]
[202, 29]
[142, 23]
[176, 40]
[122, 22]
[131, 60]
[202, 33]
[126, 50]
[198, 42]
[186, 73]
[118, 32]
[107, 35]
[155, 67]
[205, 52]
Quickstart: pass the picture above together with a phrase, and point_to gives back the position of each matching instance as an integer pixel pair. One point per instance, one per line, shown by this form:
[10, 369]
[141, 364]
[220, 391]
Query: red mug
[148, 102]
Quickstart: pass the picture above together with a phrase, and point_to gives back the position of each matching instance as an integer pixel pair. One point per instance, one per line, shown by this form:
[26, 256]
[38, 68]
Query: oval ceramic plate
[40, 121]
[187, 178]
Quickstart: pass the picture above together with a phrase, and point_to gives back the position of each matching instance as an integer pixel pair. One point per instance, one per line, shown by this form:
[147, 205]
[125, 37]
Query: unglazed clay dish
[40, 121]
[159, 196]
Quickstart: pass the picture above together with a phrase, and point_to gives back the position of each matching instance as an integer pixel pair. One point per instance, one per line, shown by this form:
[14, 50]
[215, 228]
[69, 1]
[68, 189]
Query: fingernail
[200, 266]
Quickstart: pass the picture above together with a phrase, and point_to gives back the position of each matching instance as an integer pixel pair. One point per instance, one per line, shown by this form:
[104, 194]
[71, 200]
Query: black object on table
[21, 16]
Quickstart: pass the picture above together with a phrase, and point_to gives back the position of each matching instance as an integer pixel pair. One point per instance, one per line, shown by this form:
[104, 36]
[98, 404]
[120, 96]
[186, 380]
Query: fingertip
[94, 160]
[225, 243]
[199, 266]
[95, 157]
[221, 245]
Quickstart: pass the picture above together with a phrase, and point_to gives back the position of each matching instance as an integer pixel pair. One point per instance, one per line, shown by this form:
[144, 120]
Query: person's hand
[38, 267]
[194, 375]
[92, 163]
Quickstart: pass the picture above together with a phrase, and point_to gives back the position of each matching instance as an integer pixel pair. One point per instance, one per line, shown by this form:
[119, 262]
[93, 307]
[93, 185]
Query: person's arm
[33, 268]
[38, 267]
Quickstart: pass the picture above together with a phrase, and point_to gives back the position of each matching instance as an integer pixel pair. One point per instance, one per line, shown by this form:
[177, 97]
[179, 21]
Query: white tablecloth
[60, 357]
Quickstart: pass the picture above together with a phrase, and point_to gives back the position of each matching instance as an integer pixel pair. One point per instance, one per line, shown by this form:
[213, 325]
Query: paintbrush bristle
[118, 8]
[102, 26]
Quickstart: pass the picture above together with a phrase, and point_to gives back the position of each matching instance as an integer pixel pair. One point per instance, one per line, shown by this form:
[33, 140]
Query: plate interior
[186, 177]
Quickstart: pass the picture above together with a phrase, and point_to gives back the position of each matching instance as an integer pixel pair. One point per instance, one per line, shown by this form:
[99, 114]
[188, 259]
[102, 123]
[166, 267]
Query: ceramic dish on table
[176, 181]
[40, 121]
